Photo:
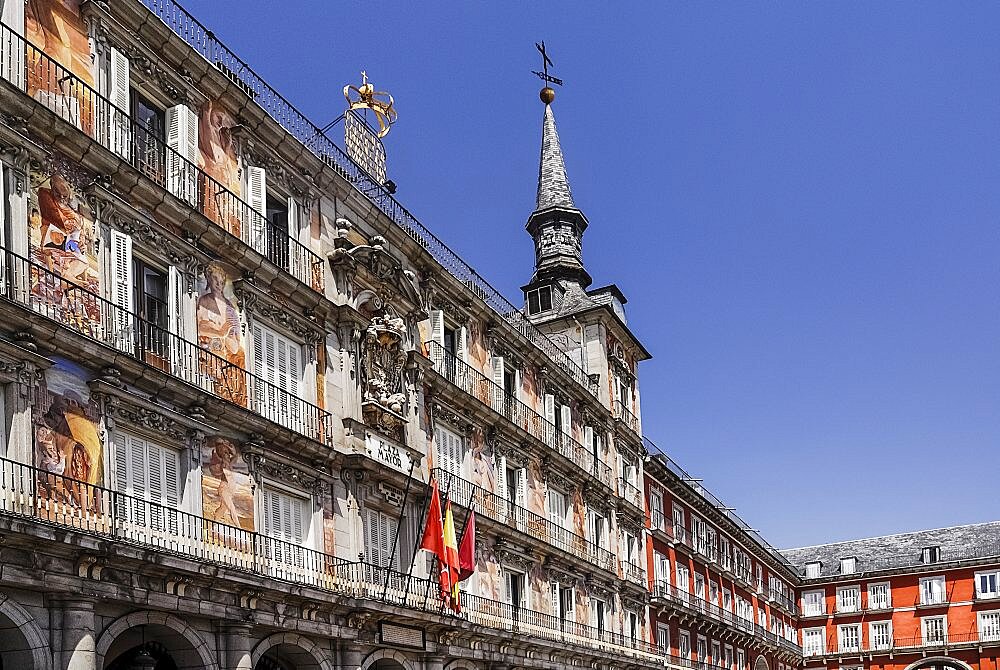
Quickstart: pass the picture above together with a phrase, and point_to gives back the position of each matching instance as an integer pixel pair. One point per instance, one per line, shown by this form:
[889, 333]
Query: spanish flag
[451, 557]
[433, 540]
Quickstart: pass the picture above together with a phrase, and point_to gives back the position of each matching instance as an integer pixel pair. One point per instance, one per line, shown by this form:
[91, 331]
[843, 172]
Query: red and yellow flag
[451, 560]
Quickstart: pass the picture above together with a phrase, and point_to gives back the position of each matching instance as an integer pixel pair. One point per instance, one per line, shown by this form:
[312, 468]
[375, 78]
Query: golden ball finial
[547, 94]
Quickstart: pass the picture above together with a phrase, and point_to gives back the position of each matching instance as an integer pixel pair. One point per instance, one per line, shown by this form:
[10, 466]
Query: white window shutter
[437, 327]
[567, 420]
[121, 291]
[257, 199]
[182, 138]
[550, 408]
[554, 598]
[502, 477]
[570, 614]
[588, 439]
[522, 486]
[460, 346]
[119, 93]
[123, 481]
[496, 366]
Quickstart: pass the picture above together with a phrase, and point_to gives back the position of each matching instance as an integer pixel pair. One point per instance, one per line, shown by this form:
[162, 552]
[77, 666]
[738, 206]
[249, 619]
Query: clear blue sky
[800, 200]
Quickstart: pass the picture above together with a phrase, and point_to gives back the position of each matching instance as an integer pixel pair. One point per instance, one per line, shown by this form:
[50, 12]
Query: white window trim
[979, 626]
[822, 602]
[988, 596]
[840, 636]
[846, 589]
[871, 634]
[944, 589]
[888, 591]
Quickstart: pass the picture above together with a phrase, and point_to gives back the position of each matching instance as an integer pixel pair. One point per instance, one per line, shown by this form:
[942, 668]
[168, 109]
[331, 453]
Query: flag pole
[399, 522]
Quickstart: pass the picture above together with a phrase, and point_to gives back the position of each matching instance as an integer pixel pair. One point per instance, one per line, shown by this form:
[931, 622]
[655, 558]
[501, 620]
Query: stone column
[351, 656]
[433, 662]
[77, 646]
[237, 642]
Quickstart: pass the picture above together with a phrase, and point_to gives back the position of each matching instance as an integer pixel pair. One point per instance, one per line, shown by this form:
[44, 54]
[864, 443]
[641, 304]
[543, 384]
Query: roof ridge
[879, 537]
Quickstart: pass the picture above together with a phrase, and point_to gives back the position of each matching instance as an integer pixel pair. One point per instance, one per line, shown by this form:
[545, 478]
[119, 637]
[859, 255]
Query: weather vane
[547, 94]
[379, 102]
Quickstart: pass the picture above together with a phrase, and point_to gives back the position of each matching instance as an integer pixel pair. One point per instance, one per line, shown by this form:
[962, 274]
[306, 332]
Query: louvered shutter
[182, 153]
[257, 199]
[119, 93]
[554, 599]
[501, 479]
[499, 396]
[297, 263]
[461, 349]
[121, 291]
[278, 362]
[522, 486]
[567, 420]
[569, 611]
[11, 52]
[175, 311]
[437, 327]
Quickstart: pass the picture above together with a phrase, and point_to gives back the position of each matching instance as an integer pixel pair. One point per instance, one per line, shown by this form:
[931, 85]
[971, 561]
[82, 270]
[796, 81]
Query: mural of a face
[220, 332]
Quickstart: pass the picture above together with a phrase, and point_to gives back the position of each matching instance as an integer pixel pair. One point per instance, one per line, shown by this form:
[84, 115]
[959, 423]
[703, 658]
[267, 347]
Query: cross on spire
[546, 62]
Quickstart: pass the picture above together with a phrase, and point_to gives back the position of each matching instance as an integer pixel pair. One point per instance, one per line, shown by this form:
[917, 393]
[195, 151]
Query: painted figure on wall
[536, 488]
[488, 573]
[478, 357]
[220, 332]
[217, 156]
[227, 491]
[61, 240]
[529, 387]
[483, 465]
[67, 439]
[579, 513]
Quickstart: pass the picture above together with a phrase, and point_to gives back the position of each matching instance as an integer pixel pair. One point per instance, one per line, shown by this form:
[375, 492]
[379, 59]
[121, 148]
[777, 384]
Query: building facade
[232, 363]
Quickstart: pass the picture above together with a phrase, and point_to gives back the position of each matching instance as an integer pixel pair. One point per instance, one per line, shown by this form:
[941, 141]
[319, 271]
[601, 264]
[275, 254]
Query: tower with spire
[588, 324]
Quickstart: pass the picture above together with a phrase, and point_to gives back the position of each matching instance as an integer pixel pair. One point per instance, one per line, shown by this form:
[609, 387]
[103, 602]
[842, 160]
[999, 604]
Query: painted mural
[220, 332]
[529, 387]
[62, 240]
[536, 488]
[488, 573]
[484, 474]
[67, 436]
[226, 487]
[478, 356]
[218, 158]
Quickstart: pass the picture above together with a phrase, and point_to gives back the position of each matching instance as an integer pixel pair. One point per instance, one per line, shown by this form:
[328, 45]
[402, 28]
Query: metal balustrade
[199, 38]
[634, 573]
[917, 642]
[30, 493]
[486, 391]
[507, 512]
[664, 590]
[630, 493]
[74, 101]
[625, 415]
[31, 285]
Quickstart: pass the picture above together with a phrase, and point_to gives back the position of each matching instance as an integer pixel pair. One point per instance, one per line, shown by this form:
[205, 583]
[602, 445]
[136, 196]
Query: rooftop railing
[203, 41]
[507, 512]
[74, 101]
[52, 499]
[71, 305]
[486, 391]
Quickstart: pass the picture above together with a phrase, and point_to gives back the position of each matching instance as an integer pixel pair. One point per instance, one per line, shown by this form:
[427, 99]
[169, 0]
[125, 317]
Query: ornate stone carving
[148, 416]
[391, 494]
[259, 464]
[555, 478]
[384, 404]
[380, 266]
[445, 414]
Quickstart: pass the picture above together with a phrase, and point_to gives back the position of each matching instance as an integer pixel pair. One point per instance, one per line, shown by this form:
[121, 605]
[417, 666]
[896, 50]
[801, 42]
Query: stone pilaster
[236, 642]
[76, 639]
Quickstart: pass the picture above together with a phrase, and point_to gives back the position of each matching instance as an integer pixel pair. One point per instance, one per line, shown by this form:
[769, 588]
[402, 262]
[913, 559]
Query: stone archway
[22, 644]
[760, 663]
[171, 641]
[386, 659]
[290, 651]
[938, 663]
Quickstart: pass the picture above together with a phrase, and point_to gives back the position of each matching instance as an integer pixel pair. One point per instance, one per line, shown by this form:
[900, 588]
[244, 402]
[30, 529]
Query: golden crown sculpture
[379, 102]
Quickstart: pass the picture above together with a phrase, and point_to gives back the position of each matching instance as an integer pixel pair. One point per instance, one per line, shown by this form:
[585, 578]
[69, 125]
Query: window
[513, 588]
[597, 529]
[727, 600]
[563, 601]
[683, 578]
[277, 235]
[849, 637]
[848, 599]
[932, 590]
[684, 644]
[557, 506]
[656, 510]
[539, 300]
[624, 393]
[713, 592]
[150, 138]
[699, 585]
[724, 556]
[663, 639]
[702, 649]
[761, 616]
[182, 138]
[935, 629]
[151, 475]
[879, 596]
[727, 657]
[880, 634]
[278, 361]
[848, 565]
[679, 532]
[507, 384]
[380, 534]
[598, 614]
[516, 484]
[716, 652]
[760, 579]
[930, 554]
[661, 567]
[989, 626]
[450, 450]
[154, 291]
[741, 659]
[592, 442]
[285, 520]
[813, 641]
[631, 548]
[632, 625]
[813, 569]
[988, 584]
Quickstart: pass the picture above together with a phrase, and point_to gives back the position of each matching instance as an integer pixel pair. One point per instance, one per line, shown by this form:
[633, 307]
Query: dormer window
[848, 565]
[813, 568]
[930, 554]
[539, 300]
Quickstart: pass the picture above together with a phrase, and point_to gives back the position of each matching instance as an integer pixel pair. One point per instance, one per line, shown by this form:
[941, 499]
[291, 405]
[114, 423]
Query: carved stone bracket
[255, 301]
[454, 419]
[296, 475]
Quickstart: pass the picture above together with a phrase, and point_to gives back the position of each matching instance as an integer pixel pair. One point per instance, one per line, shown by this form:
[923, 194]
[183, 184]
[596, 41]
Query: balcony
[32, 286]
[630, 493]
[483, 389]
[95, 116]
[783, 601]
[658, 522]
[30, 494]
[623, 414]
[899, 644]
[634, 573]
[666, 592]
[506, 512]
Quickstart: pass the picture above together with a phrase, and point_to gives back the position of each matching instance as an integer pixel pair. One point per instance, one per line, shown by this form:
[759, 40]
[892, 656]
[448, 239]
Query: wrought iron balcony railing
[31, 69]
[658, 521]
[634, 573]
[839, 647]
[313, 138]
[516, 516]
[30, 493]
[625, 415]
[31, 285]
[630, 492]
[783, 601]
[486, 391]
[663, 589]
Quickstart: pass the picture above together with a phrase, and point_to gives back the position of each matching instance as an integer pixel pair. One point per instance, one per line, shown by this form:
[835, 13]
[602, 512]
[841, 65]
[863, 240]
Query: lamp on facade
[143, 660]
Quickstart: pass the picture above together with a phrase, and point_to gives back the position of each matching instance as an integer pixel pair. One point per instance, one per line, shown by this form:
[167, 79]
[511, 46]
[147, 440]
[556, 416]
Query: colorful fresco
[478, 356]
[529, 387]
[488, 573]
[539, 585]
[220, 332]
[218, 158]
[67, 436]
[579, 514]
[536, 488]
[62, 241]
[226, 487]
[484, 474]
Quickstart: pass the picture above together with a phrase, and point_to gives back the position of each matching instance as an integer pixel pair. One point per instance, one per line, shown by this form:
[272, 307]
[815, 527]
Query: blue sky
[800, 200]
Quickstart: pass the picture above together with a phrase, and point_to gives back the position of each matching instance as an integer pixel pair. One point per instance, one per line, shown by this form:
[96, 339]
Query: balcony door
[278, 371]
[149, 476]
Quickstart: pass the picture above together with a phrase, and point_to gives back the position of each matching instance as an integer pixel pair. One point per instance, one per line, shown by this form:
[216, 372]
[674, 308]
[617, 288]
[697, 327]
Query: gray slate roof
[553, 184]
[902, 549]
